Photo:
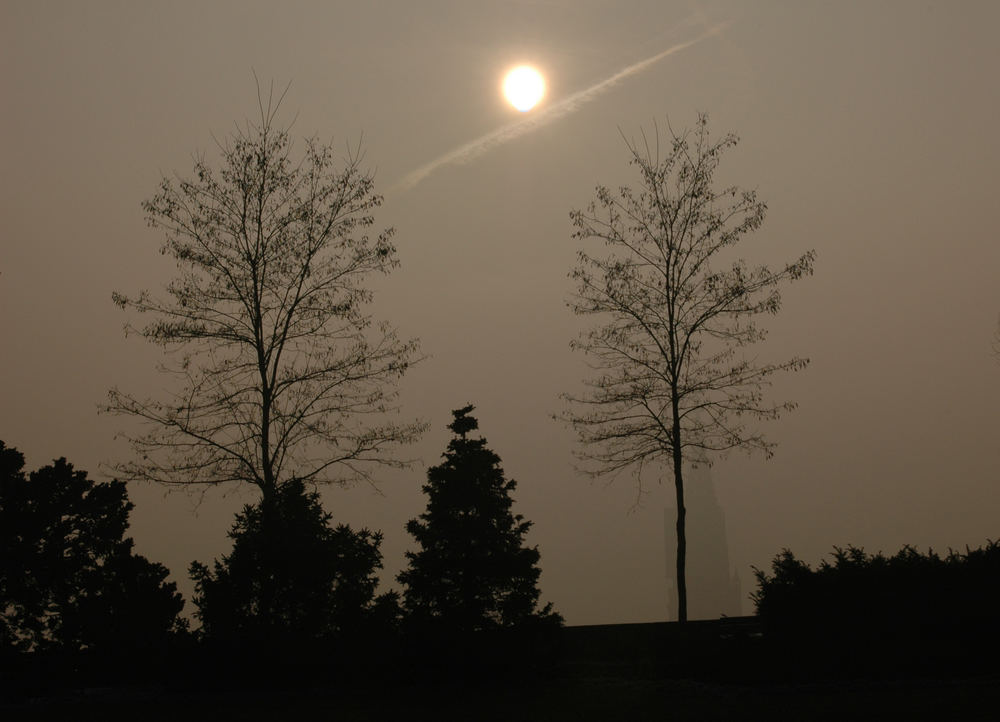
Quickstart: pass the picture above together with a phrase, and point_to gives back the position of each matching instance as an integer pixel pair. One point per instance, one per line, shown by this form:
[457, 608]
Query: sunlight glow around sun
[524, 87]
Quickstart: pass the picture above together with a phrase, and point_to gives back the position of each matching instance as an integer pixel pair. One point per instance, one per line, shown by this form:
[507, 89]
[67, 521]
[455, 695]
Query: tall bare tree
[281, 371]
[673, 384]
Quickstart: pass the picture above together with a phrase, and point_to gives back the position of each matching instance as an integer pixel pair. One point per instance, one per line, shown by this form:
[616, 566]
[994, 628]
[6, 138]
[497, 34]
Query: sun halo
[523, 87]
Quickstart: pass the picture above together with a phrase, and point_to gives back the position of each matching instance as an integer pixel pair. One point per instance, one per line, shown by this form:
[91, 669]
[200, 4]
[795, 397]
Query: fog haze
[869, 129]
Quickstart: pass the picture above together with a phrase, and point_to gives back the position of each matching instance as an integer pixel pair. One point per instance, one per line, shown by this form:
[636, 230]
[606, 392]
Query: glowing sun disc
[524, 87]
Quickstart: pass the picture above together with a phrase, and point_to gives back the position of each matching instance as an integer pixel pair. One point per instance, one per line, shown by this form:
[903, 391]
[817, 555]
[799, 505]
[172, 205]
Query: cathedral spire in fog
[713, 588]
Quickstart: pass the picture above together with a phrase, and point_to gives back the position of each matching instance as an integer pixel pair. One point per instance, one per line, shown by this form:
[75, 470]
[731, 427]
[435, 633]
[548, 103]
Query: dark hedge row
[869, 612]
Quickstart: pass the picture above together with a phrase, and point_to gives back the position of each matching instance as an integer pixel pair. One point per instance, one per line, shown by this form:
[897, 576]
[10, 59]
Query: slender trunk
[265, 444]
[681, 513]
[681, 546]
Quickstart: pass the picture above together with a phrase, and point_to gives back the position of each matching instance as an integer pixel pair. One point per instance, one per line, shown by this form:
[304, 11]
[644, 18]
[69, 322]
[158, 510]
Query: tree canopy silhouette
[672, 384]
[472, 570]
[292, 580]
[69, 577]
[281, 371]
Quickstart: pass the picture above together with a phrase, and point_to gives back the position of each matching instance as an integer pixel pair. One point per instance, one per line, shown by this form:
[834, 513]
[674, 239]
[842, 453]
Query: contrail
[475, 148]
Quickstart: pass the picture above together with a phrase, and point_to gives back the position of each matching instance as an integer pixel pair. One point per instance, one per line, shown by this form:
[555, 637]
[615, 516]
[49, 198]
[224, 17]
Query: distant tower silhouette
[713, 589]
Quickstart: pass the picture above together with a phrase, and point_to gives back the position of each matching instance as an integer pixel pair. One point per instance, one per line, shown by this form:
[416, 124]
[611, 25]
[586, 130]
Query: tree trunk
[681, 543]
[682, 608]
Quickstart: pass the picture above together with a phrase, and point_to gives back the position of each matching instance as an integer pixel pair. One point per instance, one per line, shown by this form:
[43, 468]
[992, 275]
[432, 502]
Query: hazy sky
[870, 128]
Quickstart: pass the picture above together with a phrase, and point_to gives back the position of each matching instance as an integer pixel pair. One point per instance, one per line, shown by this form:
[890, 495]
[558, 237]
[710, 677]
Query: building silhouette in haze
[713, 588]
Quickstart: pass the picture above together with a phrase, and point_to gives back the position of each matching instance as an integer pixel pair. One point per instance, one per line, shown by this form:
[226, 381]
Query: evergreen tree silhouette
[472, 571]
[293, 582]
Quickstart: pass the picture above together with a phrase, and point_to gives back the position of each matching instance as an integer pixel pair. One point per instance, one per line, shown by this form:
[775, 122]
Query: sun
[524, 87]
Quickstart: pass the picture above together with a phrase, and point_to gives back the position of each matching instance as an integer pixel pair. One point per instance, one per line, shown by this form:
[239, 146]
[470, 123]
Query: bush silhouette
[293, 584]
[70, 582]
[866, 611]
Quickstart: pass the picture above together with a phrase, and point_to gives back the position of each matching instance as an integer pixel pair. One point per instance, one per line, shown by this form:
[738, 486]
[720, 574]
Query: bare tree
[672, 385]
[281, 371]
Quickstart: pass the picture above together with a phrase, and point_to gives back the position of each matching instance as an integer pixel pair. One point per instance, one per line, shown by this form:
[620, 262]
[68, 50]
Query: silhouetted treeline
[293, 601]
[862, 613]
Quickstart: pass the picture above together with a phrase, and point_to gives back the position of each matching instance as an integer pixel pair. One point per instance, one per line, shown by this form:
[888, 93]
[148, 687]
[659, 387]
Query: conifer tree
[293, 579]
[472, 571]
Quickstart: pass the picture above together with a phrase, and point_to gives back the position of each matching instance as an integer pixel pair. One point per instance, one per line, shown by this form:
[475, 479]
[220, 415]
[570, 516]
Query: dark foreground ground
[608, 697]
[589, 698]
[619, 672]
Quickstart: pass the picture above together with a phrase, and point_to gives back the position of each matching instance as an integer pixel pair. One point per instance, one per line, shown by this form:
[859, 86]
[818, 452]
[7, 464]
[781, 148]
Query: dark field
[584, 698]
[615, 672]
